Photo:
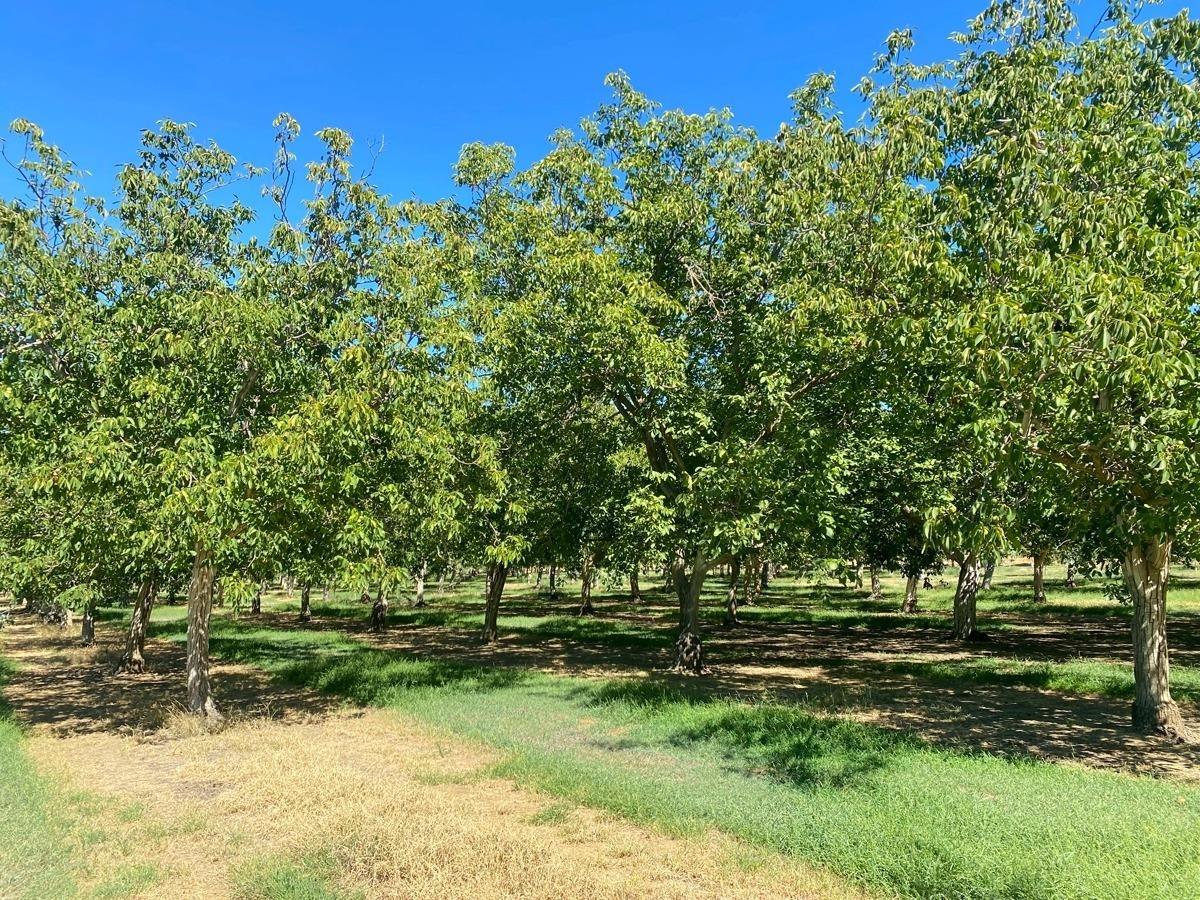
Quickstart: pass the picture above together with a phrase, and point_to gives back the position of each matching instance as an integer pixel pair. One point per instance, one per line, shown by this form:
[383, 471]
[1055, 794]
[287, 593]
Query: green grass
[34, 861]
[881, 809]
[273, 878]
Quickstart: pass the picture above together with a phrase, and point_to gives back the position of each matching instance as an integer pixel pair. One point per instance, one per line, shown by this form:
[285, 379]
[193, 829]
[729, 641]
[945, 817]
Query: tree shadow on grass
[781, 742]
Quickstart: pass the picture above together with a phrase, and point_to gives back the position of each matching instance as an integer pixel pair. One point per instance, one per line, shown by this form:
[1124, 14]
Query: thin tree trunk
[305, 607]
[497, 573]
[419, 602]
[553, 580]
[1069, 581]
[1146, 566]
[910, 594]
[379, 610]
[256, 602]
[585, 587]
[876, 589]
[133, 661]
[731, 595]
[199, 613]
[965, 628]
[635, 587]
[1039, 578]
[88, 632]
[325, 593]
[764, 579]
[988, 571]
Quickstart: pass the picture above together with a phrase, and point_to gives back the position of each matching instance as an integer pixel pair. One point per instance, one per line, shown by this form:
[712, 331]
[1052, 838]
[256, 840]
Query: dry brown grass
[402, 813]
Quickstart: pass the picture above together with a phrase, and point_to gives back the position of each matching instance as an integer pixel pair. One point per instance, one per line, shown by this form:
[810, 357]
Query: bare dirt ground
[843, 670]
[395, 811]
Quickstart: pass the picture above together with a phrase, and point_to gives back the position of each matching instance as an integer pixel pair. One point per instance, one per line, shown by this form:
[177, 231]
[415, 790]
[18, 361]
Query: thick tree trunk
[965, 628]
[133, 661]
[635, 587]
[876, 589]
[1039, 578]
[199, 614]
[419, 602]
[910, 594]
[497, 574]
[305, 606]
[689, 651]
[88, 632]
[585, 586]
[731, 595]
[1146, 565]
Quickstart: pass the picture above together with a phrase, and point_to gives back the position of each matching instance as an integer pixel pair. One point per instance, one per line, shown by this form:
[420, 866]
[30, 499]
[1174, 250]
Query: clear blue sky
[427, 76]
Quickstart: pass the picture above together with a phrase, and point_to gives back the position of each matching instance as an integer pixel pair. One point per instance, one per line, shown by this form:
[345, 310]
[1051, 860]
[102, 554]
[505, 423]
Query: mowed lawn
[874, 805]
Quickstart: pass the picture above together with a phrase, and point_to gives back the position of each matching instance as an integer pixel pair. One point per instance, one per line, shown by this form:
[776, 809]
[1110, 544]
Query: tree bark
[256, 602]
[988, 571]
[88, 632]
[199, 614]
[133, 661]
[305, 607]
[689, 652]
[497, 573]
[1146, 565]
[910, 594]
[876, 589]
[965, 628]
[635, 587]
[553, 580]
[585, 587]
[1039, 578]
[419, 602]
[379, 610]
[1069, 581]
[764, 579]
[731, 595]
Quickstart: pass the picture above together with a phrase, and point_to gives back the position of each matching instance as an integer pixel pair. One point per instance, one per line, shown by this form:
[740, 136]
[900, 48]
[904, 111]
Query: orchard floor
[834, 747]
[293, 797]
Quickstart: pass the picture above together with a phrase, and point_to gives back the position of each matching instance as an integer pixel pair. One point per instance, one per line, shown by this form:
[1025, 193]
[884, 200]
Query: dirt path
[395, 811]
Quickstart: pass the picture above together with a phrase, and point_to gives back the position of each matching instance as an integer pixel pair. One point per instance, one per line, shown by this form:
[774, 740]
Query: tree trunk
[689, 651]
[1039, 578]
[419, 602]
[305, 608]
[379, 610]
[858, 580]
[764, 579]
[965, 629]
[635, 588]
[876, 589]
[325, 593]
[553, 580]
[199, 613]
[1069, 581]
[731, 595]
[988, 571]
[497, 573]
[88, 633]
[256, 602]
[1145, 566]
[910, 594]
[585, 587]
[133, 661]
